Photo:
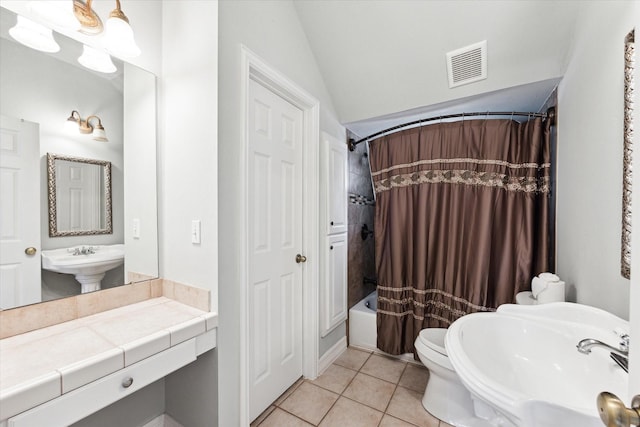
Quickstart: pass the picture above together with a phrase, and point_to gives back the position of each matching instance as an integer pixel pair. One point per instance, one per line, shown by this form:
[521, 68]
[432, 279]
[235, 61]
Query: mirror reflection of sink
[87, 263]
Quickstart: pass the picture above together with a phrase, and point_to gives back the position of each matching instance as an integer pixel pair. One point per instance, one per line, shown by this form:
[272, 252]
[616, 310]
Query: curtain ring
[512, 116]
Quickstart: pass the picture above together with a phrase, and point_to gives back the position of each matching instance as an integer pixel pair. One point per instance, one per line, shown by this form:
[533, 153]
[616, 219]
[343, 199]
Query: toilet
[445, 397]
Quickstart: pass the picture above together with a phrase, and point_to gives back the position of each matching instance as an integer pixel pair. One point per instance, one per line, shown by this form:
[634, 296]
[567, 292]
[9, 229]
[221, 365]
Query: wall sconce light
[84, 126]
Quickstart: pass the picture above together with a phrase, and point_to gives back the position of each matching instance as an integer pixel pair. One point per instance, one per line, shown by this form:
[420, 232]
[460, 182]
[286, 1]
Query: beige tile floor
[360, 389]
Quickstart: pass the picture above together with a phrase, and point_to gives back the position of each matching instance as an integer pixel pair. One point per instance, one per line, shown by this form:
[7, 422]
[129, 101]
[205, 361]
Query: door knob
[30, 250]
[613, 412]
[301, 258]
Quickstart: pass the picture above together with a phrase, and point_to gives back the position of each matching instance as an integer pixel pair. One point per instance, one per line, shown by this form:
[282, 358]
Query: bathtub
[362, 323]
[363, 331]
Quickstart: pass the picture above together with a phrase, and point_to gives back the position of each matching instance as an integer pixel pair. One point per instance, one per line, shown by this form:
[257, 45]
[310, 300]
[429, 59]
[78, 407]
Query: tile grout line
[340, 395]
[394, 392]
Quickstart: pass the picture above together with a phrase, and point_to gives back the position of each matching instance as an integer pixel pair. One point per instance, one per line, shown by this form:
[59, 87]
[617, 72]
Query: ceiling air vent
[468, 64]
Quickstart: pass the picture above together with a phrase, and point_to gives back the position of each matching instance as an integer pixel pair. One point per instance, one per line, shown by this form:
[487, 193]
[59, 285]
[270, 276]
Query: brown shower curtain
[461, 221]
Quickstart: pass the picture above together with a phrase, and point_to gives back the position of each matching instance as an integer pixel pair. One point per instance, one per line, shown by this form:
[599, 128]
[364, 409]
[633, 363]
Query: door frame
[256, 69]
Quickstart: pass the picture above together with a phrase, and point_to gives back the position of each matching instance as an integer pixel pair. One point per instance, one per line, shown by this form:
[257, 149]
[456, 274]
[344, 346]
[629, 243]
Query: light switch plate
[135, 231]
[195, 231]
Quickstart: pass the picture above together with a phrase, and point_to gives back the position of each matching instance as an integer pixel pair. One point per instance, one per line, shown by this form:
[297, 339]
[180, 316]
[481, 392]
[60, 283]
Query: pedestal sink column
[89, 282]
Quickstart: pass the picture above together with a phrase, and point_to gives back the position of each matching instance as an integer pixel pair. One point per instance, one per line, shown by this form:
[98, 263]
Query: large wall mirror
[38, 91]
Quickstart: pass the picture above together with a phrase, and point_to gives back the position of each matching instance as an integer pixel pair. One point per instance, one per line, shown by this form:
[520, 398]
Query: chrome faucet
[585, 346]
[84, 251]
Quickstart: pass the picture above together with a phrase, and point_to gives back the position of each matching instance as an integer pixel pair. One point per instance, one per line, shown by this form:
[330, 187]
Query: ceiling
[383, 62]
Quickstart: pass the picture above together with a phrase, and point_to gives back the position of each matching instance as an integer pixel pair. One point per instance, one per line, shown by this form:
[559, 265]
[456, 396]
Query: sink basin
[88, 266]
[523, 369]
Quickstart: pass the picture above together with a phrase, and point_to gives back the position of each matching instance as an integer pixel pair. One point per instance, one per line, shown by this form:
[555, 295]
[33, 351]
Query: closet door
[335, 181]
[334, 283]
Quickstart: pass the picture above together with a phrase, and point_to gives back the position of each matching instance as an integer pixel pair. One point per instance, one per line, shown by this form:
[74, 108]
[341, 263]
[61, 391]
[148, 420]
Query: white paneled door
[275, 240]
[19, 213]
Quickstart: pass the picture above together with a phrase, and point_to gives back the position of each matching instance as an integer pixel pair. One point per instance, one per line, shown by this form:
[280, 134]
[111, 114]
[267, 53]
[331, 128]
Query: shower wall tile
[358, 160]
[360, 185]
[354, 213]
[361, 253]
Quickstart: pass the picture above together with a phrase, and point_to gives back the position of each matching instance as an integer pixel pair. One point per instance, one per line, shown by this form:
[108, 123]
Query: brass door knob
[301, 258]
[613, 412]
[30, 250]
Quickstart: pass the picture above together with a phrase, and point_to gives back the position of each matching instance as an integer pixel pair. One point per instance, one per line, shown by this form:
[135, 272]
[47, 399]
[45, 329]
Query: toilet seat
[433, 338]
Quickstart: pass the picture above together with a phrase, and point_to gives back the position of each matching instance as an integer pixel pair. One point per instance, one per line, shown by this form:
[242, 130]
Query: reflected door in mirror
[19, 213]
[80, 192]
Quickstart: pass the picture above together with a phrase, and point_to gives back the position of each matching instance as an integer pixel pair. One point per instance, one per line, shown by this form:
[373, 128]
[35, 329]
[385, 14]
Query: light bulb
[34, 35]
[99, 134]
[96, 60]
[118, 38]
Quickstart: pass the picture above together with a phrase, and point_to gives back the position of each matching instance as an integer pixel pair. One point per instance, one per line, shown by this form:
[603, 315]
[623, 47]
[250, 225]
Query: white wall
[590, 118]
[188, 181]
[188, 143]
[270, 29]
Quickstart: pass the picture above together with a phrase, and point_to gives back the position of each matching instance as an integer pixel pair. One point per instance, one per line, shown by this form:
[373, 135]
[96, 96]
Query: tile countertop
[71, 354]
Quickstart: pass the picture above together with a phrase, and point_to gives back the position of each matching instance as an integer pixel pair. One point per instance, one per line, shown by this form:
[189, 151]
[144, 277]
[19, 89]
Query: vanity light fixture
[85, 126]
[118, 35]
[96, 60]
[34, 35]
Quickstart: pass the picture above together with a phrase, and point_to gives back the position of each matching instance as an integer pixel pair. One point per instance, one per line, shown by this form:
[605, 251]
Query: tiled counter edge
[172, 314]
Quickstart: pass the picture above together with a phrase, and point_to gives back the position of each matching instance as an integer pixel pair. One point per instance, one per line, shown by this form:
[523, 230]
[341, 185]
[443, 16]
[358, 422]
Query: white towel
[538, 286]
[549, 277]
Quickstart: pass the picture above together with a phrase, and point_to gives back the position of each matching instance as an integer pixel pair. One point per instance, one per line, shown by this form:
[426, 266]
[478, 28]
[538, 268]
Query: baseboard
[331, 355]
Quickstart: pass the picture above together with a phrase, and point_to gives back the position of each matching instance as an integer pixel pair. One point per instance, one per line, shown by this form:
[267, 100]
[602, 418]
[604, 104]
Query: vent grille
[468, 64]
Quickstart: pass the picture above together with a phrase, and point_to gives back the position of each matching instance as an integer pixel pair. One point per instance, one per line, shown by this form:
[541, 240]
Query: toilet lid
[434, 339]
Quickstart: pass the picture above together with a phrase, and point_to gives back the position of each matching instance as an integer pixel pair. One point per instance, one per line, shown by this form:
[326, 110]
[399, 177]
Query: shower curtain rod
[550, 114]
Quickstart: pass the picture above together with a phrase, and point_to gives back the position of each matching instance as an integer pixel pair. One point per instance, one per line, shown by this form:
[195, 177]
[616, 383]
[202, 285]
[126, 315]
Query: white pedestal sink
[88, 266]
[522, 367]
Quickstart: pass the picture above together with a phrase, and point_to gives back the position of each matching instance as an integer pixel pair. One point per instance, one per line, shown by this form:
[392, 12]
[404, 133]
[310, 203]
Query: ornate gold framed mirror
[629, 64]
[79, 194]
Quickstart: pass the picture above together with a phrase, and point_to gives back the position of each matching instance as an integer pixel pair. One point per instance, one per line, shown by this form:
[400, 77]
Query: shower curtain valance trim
[527, 184]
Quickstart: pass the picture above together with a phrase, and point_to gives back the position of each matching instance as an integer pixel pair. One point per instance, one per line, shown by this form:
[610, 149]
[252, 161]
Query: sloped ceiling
[383, 60]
